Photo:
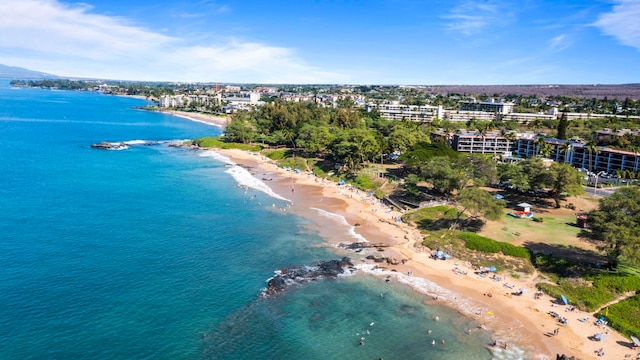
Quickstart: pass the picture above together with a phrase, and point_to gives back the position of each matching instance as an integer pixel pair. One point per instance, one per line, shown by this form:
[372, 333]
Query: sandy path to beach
[520, 320]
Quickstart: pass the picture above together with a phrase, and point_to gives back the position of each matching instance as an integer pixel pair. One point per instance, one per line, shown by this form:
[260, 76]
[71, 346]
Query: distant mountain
[14, 72]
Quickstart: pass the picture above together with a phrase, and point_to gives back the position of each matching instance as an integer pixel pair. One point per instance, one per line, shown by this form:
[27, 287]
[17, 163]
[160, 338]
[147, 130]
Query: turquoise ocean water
[155, 252]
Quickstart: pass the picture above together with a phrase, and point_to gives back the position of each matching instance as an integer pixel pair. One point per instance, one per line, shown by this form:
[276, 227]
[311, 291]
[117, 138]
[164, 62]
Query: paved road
[602, 192]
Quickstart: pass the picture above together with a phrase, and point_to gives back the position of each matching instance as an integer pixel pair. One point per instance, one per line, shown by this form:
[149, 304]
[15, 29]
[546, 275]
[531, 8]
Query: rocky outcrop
[303, 274]
[105, 145]
[362, 245]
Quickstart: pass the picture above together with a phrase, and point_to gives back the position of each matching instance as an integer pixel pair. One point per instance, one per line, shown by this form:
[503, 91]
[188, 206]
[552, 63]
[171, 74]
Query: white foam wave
[155, 142]
[342, 220]
[136, 142]
[242, 176]
[217, 156]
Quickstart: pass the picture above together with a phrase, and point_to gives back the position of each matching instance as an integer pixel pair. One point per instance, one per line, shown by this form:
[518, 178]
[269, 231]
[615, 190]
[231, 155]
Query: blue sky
[330, 41]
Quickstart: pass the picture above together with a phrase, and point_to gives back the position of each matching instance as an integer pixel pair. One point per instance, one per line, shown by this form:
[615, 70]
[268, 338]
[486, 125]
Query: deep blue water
[155, 252]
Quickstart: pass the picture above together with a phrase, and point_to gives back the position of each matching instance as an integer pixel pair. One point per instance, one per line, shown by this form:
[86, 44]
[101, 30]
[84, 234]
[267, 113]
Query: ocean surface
[158, 252]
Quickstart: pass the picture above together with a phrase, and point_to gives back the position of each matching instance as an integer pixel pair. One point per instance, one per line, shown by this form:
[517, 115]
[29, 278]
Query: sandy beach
[521, 322]
[215, 120]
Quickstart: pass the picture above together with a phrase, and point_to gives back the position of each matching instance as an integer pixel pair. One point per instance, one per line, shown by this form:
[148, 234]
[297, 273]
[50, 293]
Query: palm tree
[539, 144]
[508, 136]
[483, 129]
[591, 148]
[566, 150]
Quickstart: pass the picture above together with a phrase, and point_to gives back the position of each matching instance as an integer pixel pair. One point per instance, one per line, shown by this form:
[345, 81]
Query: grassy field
[555, 229]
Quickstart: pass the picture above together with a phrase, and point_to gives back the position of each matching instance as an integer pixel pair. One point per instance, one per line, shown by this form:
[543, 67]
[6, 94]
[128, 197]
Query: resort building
[525, 145]
[464, 116]
[234, 101]
[184, 100]
[490, 143]
[582, 156]
[393, 110]
[487, 106]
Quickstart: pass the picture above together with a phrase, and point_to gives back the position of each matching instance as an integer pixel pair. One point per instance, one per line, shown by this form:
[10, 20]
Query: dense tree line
[345, 134]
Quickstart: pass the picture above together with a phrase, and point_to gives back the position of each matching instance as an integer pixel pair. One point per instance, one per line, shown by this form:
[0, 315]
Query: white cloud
[622, 22]
[70, 40]
[559, 43]
[471, 16]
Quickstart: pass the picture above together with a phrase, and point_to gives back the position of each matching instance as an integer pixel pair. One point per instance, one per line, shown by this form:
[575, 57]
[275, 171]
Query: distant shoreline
[214, 120]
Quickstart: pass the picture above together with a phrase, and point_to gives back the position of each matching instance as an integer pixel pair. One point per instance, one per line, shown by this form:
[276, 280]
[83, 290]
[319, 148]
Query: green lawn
[553, 230]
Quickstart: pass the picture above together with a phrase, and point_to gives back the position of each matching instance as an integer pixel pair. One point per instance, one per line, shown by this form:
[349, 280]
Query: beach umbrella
[564, 299]
[523, 290]
[635, 340]
[492, 268]
[598, 337]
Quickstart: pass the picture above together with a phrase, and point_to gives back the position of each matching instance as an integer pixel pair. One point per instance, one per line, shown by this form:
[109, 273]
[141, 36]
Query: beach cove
[157, 251]
[522, 323]
[162, 252]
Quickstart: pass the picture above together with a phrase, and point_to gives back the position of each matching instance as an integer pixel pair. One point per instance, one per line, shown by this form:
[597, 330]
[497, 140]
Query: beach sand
[219, 121]
[521, 321]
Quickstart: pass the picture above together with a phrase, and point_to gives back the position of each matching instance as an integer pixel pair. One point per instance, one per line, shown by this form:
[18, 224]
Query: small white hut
[524, 207]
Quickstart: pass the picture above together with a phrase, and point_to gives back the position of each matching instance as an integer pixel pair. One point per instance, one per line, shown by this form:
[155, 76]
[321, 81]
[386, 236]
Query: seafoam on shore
[342, 220]
[242, 176]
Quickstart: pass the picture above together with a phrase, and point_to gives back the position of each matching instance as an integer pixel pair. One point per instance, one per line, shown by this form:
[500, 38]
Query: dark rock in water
[105, 145]
[379, 259]
[304, 274]
[362, 245]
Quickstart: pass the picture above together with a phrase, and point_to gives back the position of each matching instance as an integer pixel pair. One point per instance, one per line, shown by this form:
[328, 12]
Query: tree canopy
[563, 179]
[616, 223]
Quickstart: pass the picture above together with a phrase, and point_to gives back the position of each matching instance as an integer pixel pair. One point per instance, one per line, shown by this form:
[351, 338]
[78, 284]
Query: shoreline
[213, 120]
[521, 321]
[218, 121]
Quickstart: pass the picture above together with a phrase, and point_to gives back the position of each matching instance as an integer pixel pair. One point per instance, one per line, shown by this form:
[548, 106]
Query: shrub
[363, 182]
[276, 154]
[216, 142]
[209, 142]
[538, 219]
[319, 171]
[619, 317]
[379, 194]
[294, 163]
[476, 242]
[584, 297]
[603, 288]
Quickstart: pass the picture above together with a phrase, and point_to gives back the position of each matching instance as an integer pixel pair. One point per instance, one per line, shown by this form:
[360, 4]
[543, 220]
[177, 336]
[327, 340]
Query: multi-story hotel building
[525, 145]
[487, 106]
[393, 110]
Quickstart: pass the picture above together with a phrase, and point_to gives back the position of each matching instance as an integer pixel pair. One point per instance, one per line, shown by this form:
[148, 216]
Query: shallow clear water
[156, 252]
